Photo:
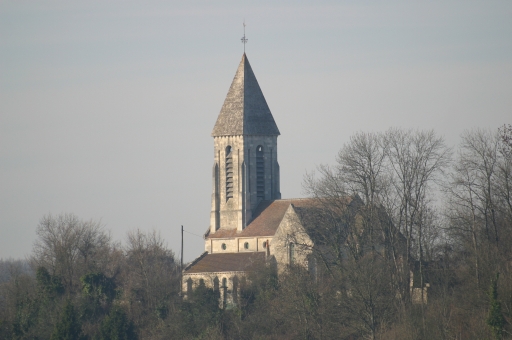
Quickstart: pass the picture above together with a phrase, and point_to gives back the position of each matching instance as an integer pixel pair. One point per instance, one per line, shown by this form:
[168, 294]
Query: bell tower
[245, 170]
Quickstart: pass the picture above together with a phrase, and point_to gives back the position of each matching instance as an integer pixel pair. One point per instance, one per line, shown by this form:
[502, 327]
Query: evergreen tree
[495, 319]
[117, 326]
[51, 285]
[201, 310]
[98, 286]
[69, 327]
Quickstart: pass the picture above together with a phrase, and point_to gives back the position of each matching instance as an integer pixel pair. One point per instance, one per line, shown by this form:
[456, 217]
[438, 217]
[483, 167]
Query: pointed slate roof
[245, 110]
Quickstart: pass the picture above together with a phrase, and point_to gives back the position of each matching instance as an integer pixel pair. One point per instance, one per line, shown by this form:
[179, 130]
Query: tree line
[429, 256]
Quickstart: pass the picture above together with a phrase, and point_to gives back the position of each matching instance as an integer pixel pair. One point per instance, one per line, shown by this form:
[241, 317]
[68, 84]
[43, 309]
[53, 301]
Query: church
[249, 222]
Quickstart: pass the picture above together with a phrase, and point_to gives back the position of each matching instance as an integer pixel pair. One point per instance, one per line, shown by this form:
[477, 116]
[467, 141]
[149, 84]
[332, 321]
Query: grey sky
[106, 108]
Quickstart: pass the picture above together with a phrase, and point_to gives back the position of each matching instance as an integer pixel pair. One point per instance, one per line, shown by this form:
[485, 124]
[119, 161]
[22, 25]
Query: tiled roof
[267, 217]
[229, 262]
[245, 110]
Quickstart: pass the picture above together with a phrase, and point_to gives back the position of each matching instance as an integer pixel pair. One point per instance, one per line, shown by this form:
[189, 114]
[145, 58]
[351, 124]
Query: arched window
[224, 292]
[216, 284]
[260, 173]
[292, 252]
[235, 290]
[246, 245]
[189, 286]
[229, 173]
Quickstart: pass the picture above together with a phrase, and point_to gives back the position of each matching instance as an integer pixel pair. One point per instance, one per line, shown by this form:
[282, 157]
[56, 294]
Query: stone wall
[237, 244]
[229, 292]
[291, 244]
[236, 212]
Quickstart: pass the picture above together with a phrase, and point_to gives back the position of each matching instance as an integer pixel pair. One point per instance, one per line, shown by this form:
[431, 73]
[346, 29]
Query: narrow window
[235, 290]
[216, 284]
[224, 292]
[229, 173]
[246, 245]
[223, 246]
[260, 173]
[248, 174]
[189, 286]
[292, 253]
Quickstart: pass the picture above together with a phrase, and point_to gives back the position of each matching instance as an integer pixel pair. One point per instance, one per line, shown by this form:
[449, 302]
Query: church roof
[266, 219]
[245, 110]
[229, 262]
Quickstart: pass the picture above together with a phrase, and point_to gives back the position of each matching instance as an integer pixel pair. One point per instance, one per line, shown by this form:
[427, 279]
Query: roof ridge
[197, 259]
[299, 199]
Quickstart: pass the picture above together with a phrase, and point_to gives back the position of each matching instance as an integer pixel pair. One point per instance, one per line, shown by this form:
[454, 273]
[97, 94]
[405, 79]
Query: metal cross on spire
[244, 39]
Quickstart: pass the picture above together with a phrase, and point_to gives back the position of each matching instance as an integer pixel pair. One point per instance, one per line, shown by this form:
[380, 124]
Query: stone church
[249, 223]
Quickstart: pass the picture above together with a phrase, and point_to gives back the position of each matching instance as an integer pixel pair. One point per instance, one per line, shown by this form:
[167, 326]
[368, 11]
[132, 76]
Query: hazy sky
[106, 107]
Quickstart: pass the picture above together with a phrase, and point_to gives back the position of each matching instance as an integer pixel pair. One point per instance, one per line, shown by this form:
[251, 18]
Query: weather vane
[244, 39]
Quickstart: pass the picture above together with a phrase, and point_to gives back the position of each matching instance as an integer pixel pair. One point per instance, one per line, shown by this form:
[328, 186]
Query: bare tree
[70, 247]
[479, 196]
[151, 277]
[503, 182]
[463, 209]
[361, 166]
[17, 286]
[506, 137]
[479, 155]
[358, 176]
[417, 160]
[353, 235]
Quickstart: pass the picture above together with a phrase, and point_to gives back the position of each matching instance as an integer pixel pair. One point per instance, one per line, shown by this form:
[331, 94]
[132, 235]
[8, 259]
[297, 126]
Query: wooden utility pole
[181, 263]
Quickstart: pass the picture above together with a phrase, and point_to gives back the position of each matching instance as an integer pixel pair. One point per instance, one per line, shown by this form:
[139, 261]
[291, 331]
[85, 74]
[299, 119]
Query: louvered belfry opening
[292, 253]
[260, 173]
[229, 173]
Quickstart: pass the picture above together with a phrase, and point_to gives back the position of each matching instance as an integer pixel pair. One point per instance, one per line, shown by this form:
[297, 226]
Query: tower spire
[244, 39]
[245, 110]
[245, 170]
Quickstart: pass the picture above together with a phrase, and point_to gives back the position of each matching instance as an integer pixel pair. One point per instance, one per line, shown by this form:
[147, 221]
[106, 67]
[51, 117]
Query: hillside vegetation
[436, 227]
